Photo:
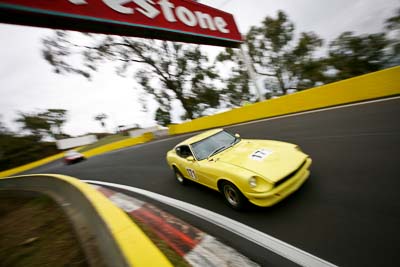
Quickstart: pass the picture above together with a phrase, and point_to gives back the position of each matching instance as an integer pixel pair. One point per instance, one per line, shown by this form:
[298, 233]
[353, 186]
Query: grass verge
[34, 232]
[104, 141]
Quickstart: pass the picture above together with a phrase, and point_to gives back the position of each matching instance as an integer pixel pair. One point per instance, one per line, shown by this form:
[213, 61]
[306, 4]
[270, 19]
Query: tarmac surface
[347, 213]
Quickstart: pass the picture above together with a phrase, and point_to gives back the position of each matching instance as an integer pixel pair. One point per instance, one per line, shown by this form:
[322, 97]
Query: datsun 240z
[262, 172]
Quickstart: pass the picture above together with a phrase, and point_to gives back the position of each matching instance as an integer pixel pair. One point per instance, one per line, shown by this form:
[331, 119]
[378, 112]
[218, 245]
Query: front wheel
[179, 177]
[233, 197]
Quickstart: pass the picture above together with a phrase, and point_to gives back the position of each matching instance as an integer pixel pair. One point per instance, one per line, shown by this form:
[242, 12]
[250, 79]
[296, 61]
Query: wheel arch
[222, 180]
[175, 167]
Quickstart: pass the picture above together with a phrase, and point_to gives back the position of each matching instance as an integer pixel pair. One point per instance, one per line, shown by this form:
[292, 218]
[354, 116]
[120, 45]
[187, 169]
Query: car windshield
[213, 144]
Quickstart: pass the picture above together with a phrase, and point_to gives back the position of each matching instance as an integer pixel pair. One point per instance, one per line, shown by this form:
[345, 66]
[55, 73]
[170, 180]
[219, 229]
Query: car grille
[290, 175]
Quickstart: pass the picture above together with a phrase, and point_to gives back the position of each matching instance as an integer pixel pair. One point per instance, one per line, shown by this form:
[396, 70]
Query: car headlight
[253, 182]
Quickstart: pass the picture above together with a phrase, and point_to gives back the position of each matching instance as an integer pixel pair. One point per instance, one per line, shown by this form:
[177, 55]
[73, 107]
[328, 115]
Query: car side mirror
[237, 135]
[190, 158]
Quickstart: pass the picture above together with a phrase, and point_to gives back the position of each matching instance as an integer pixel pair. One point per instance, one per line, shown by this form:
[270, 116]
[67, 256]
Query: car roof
[199, 137]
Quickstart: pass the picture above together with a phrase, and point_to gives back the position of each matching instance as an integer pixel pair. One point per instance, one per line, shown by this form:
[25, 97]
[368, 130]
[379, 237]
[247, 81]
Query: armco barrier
[93, 152]
[370, 86]
[120, 242]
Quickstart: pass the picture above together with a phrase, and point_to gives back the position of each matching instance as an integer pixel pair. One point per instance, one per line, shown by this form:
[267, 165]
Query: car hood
[269, 159]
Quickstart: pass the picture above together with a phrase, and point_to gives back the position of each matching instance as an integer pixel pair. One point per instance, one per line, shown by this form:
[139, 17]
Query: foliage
[34, 123]
[352, 55]
[393, 34]
[56, 118]
[393, 23]
[101, 117]
[167, 70]
[163, 117]
[171, 71]
[19, 150]
[237, 89]
[3, 128]
[288, 63]
[44, 124]
[303, 67]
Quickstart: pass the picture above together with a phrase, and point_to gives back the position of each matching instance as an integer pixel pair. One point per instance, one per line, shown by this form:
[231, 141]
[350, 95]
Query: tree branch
[265, 74]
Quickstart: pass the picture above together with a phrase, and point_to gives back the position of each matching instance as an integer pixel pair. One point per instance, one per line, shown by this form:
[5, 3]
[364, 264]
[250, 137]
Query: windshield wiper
[216, 151]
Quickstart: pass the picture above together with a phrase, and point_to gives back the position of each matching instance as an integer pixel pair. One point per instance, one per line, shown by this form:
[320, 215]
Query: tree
[17, 150]
[35, 124]
[392, 26]
[56, 118]
[393, 23]
[101, 117]
[163, 117]
[167, 70]
[305, 69]
[287, 63]
[237, 89]
[3, 128]
[352, 55]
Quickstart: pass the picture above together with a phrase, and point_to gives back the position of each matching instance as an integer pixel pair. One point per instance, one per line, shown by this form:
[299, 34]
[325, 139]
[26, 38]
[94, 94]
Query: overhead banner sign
[175, 20]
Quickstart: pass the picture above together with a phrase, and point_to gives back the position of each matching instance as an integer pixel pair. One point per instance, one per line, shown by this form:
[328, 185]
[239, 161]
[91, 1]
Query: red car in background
[72, 157]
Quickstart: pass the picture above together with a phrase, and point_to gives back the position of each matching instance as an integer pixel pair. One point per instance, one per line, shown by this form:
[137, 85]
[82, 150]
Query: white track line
[279, 247]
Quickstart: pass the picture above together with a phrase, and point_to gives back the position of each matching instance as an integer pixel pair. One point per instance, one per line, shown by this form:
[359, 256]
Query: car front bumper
[266, 199]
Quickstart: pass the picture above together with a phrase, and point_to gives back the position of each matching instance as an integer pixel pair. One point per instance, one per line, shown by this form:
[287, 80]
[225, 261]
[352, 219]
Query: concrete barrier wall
[118, 145]
[371, 86]
[161, 133]
[75, 142]
[139, 132]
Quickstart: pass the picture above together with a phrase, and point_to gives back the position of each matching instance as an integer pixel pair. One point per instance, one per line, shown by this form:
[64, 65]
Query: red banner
[176, 20]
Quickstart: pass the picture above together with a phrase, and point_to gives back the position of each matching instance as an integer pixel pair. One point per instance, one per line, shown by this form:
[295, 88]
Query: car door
[205, 173]
[186, 166]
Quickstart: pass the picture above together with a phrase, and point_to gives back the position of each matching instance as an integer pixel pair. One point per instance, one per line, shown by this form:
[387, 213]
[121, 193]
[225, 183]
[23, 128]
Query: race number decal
[260, 154]
[192, 173]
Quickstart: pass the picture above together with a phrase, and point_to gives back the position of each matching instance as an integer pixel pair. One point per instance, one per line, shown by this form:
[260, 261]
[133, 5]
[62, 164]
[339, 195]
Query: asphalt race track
[347, 213]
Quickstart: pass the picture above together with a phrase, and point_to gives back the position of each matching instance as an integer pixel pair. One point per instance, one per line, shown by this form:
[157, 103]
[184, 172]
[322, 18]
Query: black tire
[179, 177]
[233, 197]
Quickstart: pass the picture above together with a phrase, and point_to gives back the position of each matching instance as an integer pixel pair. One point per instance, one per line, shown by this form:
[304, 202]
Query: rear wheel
[179, 177]
[233, 197]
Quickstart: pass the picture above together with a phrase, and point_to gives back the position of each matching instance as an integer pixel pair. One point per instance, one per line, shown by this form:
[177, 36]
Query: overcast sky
[27, 82]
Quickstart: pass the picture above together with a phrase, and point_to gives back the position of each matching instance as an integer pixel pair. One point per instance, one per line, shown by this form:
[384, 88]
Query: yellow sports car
[260, 171]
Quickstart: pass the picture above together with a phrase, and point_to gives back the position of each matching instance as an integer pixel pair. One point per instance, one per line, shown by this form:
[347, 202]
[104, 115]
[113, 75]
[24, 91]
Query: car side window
[184, 151]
